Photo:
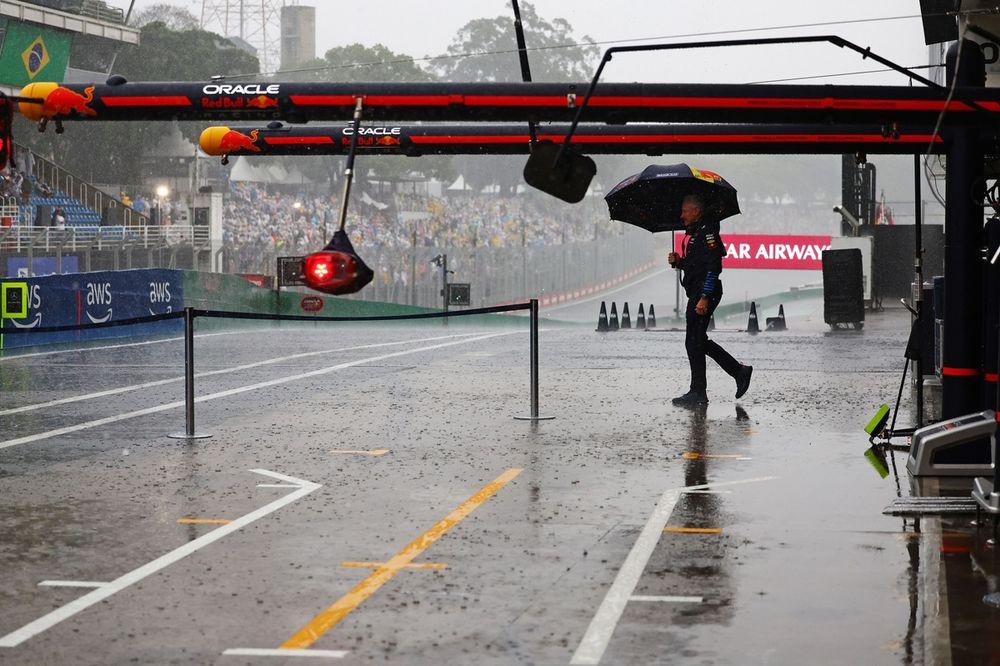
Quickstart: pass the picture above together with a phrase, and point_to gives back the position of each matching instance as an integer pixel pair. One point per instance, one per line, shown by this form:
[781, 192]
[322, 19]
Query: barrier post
[534, 367]
[189, 432]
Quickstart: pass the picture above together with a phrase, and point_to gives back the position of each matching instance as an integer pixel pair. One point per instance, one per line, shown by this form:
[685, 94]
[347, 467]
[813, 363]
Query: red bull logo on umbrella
[706, 175]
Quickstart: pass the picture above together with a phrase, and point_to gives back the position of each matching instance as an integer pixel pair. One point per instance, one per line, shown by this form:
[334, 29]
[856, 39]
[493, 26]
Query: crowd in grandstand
[257, 221]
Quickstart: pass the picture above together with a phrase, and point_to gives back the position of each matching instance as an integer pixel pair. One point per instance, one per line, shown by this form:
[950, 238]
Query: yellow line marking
[376, 565]
[373, 452]
[203, 521]
[326, 620]
[694, 530]
[699, 456]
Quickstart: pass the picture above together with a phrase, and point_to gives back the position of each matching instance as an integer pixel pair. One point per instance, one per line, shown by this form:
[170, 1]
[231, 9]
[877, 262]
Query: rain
[499, 332]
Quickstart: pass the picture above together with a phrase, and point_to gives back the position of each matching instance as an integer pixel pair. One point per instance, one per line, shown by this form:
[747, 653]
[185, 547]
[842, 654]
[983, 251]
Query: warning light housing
[333, 272]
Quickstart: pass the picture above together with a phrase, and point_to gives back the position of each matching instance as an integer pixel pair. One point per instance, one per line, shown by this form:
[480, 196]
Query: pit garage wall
[83, 298]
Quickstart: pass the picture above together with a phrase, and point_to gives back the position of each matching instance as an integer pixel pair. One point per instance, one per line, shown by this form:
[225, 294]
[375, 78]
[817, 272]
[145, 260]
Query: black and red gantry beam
[616, 103]
[493, 139]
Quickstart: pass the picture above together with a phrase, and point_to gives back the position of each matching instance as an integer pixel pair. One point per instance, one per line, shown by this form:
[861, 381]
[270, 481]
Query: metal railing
[112, 242]
[112, 209]
[22, 238]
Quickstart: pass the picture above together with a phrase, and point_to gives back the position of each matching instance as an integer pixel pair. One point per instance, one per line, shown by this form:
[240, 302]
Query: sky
[426, 28]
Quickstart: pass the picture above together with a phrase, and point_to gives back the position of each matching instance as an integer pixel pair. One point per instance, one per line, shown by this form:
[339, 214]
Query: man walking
[701, 266]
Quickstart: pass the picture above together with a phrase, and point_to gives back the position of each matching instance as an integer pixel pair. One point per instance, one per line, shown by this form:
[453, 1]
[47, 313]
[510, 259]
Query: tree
[114, 152]
[357, 62]
[175, 18]
[486, 50]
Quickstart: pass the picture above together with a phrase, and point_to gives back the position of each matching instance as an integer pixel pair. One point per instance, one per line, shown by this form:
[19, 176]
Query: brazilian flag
[33, 53]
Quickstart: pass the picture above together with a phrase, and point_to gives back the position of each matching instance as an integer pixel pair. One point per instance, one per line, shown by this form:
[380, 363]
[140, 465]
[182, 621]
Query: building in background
[298, 35]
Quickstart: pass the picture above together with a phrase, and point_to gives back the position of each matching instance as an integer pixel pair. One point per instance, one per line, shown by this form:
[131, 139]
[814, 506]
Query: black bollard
[651, 319]
[613, 321]
[640, 319]
[753, 327]
[777, 323]
[602, 319]
[626, 319]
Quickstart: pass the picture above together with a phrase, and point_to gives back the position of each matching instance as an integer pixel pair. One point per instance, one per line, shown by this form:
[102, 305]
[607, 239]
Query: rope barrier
[219, 314]
[222, 314]
[86, 327]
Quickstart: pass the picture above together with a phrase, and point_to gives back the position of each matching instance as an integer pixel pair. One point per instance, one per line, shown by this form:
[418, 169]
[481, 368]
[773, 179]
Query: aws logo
[35, 57]
[99, 294]
[159, 292]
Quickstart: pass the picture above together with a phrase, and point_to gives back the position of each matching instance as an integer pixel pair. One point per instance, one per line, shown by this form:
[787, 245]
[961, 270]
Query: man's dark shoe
[743, 380]
[691, 399]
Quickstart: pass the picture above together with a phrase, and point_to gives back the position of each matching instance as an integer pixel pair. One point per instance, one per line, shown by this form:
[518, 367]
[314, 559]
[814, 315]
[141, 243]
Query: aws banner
[91, 298]
[801, 253]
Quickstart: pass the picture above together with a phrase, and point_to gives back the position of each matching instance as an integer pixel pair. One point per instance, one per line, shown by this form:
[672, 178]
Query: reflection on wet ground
[390, 508]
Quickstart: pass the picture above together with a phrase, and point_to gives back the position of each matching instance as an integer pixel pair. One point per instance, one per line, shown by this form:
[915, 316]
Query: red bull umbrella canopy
[652, 198]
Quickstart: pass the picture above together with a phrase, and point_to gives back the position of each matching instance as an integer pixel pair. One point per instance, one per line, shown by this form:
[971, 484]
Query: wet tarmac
[368, 497]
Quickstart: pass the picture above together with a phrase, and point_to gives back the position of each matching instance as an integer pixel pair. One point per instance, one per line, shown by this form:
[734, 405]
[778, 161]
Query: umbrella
[652, 199]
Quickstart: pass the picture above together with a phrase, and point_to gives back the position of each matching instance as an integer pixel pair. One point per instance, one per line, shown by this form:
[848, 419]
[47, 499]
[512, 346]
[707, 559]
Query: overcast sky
[426, 28]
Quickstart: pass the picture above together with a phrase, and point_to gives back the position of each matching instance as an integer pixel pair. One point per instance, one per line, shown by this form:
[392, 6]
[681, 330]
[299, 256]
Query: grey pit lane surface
[805, 567]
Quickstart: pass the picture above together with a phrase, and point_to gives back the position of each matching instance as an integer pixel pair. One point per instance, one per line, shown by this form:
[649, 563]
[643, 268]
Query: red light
[320, 270]
[332, 272]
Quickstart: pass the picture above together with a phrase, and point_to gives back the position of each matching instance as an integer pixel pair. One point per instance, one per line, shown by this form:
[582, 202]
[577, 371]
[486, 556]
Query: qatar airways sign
[801, 253]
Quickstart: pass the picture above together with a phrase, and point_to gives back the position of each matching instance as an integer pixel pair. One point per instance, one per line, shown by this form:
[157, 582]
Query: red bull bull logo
[262, 102]
[225, 141]
[234, 142]
[56, 101]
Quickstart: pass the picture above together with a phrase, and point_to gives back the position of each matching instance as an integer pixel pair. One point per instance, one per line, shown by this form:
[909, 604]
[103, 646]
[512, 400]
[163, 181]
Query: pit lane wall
[84, 298]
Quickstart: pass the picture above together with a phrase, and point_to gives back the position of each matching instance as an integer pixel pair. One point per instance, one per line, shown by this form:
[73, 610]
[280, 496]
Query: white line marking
[15, 357]
[15, 638]
[672, 600]
[291, 652]
[236, 391]
[595, 641]
[236, 368]
[71, 583]
[275, 485]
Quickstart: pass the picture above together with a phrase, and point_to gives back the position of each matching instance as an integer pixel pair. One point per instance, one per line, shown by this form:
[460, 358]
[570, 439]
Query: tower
[253, 23]
[298, 35]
